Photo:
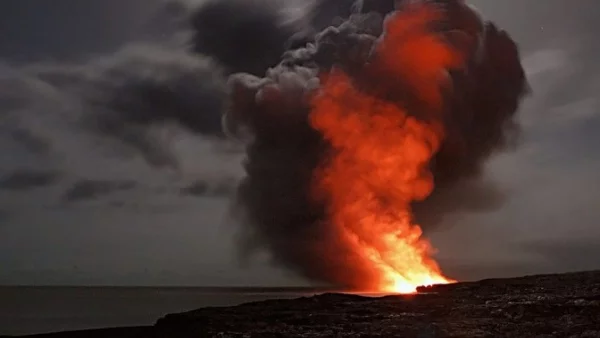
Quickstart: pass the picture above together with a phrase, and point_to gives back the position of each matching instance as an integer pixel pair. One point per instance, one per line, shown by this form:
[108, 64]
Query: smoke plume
[245, 36]
[272, 114]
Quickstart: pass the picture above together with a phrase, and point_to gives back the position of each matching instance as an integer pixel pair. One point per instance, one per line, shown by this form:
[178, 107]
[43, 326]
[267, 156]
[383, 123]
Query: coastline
[116, 332]
[557, 305]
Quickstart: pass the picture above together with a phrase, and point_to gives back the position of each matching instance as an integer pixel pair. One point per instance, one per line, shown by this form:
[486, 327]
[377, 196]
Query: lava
[381, 149]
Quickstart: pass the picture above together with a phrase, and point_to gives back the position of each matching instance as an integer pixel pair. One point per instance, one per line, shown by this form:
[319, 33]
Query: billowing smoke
[271, 114]
[245, 36]
[251, 36]
[125, 96]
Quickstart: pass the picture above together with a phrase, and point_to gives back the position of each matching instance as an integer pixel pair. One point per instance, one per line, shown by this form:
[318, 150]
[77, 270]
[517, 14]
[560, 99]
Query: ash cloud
[324, 13]
[382, 7]
[271, 113]
[245, 36]
[251, 36]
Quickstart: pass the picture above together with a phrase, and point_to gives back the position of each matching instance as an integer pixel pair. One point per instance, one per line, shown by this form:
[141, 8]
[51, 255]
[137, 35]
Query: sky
[88, 197]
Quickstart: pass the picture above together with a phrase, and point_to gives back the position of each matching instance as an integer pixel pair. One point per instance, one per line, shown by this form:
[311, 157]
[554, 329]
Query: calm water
[29, 310]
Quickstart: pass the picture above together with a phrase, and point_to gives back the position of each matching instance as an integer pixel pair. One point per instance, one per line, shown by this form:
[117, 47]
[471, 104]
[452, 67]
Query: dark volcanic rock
[566, 305]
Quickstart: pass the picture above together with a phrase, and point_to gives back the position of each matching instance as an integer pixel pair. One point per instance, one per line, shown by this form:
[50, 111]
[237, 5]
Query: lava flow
[381, 150]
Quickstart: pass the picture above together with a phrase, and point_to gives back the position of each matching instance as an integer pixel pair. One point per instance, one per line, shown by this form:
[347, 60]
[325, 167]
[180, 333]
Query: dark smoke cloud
[87, 189]
[27, 179]
[245, 36]
[251, 36]
[324, 13]
[271, 114]
[138, 90]
[482, 123]
[465, 196]
[128, 97]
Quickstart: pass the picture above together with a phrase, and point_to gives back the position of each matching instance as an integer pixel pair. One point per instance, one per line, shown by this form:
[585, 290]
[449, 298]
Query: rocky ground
[563, 305]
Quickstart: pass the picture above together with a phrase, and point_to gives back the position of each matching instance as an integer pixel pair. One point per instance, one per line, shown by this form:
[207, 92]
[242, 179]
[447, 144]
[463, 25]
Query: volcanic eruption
[357, 141]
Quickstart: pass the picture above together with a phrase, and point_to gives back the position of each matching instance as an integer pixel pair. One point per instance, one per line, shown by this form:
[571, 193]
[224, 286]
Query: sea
[28, 310]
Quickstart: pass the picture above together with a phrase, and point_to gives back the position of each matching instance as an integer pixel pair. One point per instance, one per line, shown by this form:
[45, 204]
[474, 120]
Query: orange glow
[380, 154]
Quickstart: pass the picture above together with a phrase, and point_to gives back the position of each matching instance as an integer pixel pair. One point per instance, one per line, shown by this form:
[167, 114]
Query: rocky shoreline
[560, 305]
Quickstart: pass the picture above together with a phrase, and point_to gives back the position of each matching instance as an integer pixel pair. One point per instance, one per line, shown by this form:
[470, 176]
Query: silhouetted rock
[564, 305]
[560, 305]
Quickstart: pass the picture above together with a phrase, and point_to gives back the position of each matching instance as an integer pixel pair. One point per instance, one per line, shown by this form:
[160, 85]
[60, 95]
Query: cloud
[544, 60]
[201, 188]
[198, 188]
[146, 106]
[136, 101]
[30, 141]
[27, 179]
[467, 196]
[130, 96]
[560, 254]
[4, 215]
[245, 36]
[87, 189]
[71, 29]
[493, 268]
[323, 12]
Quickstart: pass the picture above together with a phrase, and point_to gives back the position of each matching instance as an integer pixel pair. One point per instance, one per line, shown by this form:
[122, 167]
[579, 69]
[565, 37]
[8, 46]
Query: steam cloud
[271, 114]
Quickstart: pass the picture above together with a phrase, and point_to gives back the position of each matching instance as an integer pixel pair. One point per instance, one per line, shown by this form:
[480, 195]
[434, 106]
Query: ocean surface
[31, 310]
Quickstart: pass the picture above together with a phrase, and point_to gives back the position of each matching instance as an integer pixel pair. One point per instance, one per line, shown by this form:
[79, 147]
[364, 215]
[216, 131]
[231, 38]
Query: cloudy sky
[99, 184]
